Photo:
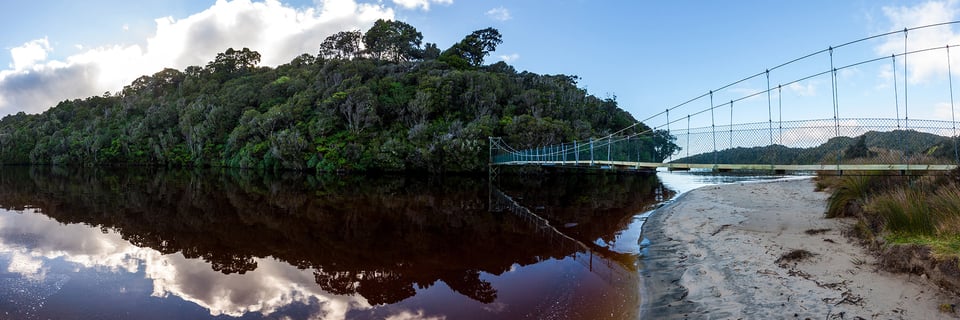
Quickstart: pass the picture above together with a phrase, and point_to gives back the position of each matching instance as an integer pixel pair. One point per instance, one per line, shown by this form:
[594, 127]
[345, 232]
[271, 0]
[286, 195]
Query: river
[159, 244]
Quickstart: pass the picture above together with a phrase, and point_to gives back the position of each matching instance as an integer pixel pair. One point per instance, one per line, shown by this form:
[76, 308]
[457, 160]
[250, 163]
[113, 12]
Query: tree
[342, 45]
[474, 47]
[859, 149]
[234, 61]
[356, 106]
[430, 51]
[394, 40]
[663, 145]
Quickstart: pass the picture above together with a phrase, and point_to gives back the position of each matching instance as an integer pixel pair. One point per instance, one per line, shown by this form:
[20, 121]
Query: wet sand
[716, 254]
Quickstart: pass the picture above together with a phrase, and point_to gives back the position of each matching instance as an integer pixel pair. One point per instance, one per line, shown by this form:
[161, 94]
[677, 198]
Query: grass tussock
[850, 192]
[922, 210]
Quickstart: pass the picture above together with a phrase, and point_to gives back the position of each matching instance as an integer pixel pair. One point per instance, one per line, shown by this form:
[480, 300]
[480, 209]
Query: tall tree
[393, 40]
[342, 45]
[473, 48]
[235, 61]
[430, 51]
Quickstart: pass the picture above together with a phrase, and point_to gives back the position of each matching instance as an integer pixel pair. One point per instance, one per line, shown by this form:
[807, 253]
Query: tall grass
[850, 192]
[904, 210]
[920, 209]
[946, 203]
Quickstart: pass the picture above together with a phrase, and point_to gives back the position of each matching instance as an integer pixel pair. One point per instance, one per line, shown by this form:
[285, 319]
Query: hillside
[907, 142]
[374, 101]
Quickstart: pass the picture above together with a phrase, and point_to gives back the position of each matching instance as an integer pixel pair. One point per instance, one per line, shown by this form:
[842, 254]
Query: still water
[163, 244]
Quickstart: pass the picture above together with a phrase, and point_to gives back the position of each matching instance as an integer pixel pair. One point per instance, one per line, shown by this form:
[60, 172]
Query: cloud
[943, 111]
[422, 4]
[499, 14]
[803, 90]
[30, 53]
[923, 66]
[510, 57]
[271, 287]
[279, 32]
[408, 315]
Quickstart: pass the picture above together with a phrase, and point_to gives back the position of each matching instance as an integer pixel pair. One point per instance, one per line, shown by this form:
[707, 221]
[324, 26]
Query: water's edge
[662, 294]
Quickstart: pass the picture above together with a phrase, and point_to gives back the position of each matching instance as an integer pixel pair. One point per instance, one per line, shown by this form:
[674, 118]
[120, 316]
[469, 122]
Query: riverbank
[765, 250]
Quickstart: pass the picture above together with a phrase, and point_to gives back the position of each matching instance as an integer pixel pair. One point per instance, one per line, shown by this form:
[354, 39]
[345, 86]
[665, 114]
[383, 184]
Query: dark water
[156, 244]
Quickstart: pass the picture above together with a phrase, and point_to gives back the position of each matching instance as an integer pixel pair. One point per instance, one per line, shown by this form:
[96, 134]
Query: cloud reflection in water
[30, 240]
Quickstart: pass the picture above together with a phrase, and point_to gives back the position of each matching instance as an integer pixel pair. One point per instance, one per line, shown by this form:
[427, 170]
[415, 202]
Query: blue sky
[651, 55]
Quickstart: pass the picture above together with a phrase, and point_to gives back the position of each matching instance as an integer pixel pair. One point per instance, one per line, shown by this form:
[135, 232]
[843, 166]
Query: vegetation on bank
[368, 101]
[912, 221]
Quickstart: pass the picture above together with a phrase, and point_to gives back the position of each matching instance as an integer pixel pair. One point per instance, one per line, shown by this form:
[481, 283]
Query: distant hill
[906, 142]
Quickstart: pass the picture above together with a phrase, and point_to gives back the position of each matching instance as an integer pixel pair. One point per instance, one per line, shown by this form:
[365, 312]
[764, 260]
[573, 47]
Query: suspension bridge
[707, 132]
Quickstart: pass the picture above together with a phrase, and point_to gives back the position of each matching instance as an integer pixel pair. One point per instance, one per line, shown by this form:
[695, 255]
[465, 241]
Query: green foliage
[859, 149]
[900, 209]
[393, 40]
[471, 51]
[337, 112]
[342, 45]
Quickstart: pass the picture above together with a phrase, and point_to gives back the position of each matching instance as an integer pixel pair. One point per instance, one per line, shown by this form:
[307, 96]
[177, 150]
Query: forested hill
[368, 101]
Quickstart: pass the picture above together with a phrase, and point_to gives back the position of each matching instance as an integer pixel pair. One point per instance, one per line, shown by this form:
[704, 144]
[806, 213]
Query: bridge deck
[725, 167]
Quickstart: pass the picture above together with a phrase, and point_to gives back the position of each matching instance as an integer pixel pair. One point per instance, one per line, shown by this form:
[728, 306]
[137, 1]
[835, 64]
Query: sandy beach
[723, 252]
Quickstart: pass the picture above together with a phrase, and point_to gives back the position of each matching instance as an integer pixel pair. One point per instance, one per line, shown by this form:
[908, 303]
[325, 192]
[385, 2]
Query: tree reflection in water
[381, 237]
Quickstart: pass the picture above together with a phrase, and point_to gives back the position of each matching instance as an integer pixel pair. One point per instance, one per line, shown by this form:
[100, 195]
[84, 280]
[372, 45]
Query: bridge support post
[609, 146]
[591, 152]
[576, 152]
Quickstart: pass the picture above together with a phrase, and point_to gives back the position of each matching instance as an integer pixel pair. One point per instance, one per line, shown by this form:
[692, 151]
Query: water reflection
[235, 244]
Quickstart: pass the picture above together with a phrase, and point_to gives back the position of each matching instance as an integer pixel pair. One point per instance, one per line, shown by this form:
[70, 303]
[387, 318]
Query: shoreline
[765, 250]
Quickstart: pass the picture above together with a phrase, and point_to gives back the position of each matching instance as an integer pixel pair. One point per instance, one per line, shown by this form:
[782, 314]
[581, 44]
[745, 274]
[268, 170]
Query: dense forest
[367, 101]
[890, 146]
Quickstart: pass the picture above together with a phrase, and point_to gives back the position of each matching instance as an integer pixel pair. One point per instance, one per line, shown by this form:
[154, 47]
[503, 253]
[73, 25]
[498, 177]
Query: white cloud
[922, 67]
[803, 90]
[25, 265]
[279, 32]
[30, 53]
[510, 57]
[272, 286]
[407, 315]
[422, 4]
[499, 14]
[943, 111]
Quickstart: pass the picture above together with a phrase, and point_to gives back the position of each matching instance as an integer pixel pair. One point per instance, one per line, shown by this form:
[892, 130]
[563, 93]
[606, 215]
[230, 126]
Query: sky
[648, 55]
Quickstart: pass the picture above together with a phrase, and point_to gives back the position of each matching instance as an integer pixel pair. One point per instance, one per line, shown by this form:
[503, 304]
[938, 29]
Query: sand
[715, 251]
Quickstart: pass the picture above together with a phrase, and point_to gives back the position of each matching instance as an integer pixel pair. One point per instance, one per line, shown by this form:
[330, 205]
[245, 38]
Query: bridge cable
[731, 124]
[769, 110]
[896, 103]
[953, 118]
[836, 116]
[906, 108]
[713, 128]
[780, 112]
